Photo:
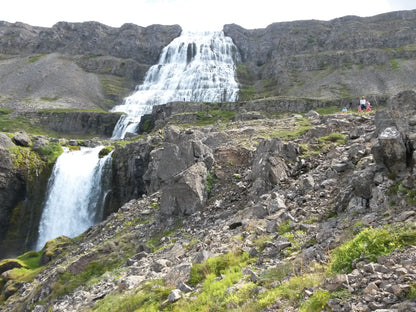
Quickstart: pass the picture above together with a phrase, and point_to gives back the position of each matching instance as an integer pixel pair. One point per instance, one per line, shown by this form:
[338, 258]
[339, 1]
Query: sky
[191, 14]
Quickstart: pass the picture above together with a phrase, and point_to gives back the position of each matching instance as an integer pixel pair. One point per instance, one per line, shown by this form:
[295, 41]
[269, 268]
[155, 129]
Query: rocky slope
[246, 215]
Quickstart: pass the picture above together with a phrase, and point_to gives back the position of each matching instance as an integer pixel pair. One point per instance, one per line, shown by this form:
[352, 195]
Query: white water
[196, 67]
[75, 198]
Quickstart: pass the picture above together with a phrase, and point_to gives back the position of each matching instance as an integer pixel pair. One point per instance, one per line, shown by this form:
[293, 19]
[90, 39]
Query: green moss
[27, 160]
[147, 125]
[105, 151]
[31, 259]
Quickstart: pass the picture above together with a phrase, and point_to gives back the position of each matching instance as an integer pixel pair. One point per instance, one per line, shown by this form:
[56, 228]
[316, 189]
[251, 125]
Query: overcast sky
[191, 14]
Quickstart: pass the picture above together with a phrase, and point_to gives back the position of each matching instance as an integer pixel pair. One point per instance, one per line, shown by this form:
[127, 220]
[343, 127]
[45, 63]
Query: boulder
[269, 164]
[389, 151]
[5, 141]
[186, 192]
[22, 139]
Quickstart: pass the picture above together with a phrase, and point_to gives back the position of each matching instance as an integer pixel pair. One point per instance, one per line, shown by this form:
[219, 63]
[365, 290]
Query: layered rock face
[130, 41]
[344, 57]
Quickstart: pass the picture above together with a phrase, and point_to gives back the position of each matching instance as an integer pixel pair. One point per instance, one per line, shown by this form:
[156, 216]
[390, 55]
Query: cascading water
[196, 67]
[76, 194]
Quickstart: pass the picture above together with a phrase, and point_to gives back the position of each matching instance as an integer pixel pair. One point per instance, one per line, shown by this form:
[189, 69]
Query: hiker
[367, 106]
[362, 106]
[344, 110]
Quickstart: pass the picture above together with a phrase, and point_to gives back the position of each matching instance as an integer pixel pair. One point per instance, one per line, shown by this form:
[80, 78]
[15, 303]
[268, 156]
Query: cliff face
[142, 44]
[343, 57]
[75, 65]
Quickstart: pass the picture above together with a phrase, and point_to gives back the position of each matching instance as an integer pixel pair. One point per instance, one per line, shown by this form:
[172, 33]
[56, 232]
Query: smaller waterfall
[197, 66]
[75, 197]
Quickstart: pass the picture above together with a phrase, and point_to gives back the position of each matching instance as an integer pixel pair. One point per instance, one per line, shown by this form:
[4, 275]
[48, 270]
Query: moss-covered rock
[53, 248]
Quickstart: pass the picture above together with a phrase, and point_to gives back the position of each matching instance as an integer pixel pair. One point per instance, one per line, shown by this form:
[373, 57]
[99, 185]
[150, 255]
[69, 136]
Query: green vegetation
[398, 188]
[210, 117]
[210, 181]
[33, 59]
[284, 227]
[371, 243]
[395, 64]
[19, 123]
[147, 125]
[218, 265]
[336, 138]
[105, 151]
[148, 297]
[293, 131]
[316, 303]
[49, 99]
[50, 152]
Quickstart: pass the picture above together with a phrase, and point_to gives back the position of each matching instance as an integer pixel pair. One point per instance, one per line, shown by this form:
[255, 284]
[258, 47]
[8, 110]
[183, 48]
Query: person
[367, 106]
[363, 106]
[344, 110]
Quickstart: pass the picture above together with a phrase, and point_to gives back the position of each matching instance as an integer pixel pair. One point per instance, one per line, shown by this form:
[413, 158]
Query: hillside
[256, 214]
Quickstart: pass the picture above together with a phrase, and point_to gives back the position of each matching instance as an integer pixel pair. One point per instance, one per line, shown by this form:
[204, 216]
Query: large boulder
[186, 193]
[390, 150]
[179, 152]
[270, 164]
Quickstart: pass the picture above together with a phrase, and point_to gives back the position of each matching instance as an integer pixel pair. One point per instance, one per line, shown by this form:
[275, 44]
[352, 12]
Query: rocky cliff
[340, 58]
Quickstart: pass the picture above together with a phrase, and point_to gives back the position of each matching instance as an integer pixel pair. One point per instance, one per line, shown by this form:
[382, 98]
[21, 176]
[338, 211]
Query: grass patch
[336, 138]
[218, 265]
[290, 290]
[372, 243]
[292, 132]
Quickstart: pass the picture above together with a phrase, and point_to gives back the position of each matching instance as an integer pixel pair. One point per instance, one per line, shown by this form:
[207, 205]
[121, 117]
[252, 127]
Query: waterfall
[76, 194]
[197, 66]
